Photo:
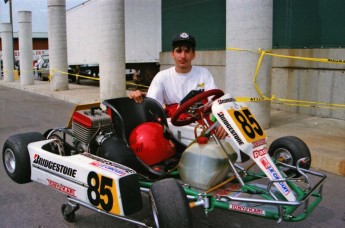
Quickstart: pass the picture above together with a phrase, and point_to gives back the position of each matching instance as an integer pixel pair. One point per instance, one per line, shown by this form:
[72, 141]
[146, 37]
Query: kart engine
[90, 127]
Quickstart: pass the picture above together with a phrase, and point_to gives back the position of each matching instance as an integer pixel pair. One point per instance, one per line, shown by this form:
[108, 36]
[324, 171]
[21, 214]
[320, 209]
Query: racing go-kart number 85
[105, 159]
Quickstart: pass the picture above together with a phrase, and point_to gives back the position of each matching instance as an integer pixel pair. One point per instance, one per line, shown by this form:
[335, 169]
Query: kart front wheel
[291, 149]
[15, 156]
[170, 205]
[68, 211]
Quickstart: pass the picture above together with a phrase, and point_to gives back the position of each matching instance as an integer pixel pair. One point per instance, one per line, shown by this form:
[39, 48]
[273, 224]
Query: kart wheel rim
[10, 161]
[286, 155]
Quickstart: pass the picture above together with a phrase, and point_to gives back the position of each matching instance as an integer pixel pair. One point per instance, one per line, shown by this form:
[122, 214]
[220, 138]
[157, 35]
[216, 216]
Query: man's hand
[220, 132]
[137, 96]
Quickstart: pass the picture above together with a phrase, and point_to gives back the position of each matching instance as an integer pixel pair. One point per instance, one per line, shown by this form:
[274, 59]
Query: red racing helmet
[150, 144]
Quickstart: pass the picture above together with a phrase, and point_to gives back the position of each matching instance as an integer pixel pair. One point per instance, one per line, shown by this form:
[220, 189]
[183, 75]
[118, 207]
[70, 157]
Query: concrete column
[25, 47]
[112, 49]
[249, 26]
[57, 39]
[7, 51]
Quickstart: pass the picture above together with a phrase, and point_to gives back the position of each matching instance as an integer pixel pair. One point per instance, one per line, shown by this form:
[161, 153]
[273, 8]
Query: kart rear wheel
[291, 149]
[15, 156]
[170, 205]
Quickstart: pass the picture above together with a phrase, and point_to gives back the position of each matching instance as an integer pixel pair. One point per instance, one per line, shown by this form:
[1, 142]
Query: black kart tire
[68, 216]
[15, 156]
[170, 205]
[291, 149]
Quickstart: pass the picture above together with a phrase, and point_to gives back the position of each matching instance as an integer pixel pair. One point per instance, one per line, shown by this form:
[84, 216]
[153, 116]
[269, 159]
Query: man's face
[183, 57]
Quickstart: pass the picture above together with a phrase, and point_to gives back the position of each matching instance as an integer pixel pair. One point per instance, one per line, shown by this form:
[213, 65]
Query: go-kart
[111, 153]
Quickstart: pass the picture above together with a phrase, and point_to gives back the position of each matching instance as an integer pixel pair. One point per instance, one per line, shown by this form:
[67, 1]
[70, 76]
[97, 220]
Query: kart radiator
[87, 123]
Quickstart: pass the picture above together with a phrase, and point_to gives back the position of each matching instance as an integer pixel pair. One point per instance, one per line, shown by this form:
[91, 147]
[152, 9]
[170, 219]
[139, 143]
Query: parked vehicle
[85, 71]
[17, 66]
[43, 72]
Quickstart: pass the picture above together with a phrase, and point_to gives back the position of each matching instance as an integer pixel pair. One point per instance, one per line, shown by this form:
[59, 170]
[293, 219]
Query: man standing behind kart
[170, 86]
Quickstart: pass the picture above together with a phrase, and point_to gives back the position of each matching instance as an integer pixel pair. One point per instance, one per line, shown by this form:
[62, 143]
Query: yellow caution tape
[135, 84]
[324, 60]
[76, 75]
[91, 78]
[262, 97]
[281, 100]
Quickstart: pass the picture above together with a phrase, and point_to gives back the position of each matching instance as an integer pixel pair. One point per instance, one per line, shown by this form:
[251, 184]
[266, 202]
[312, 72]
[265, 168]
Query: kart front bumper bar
[284, 209]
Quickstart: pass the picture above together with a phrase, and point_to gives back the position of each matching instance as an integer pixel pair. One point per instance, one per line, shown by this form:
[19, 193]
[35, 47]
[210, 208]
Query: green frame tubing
[309, 197]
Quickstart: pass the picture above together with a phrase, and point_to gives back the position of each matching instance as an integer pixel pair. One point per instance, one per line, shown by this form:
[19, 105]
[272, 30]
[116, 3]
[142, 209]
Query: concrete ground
[325, 137]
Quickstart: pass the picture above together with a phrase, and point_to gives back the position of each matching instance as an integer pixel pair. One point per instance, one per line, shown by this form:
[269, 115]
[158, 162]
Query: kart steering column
[223, 148]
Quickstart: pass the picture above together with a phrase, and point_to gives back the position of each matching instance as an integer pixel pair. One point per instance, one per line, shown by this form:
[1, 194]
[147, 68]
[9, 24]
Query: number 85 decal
[247, 124]
[101, 192]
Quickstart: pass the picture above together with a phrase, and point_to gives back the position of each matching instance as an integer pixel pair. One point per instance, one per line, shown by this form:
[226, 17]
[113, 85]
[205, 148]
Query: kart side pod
[88, 179]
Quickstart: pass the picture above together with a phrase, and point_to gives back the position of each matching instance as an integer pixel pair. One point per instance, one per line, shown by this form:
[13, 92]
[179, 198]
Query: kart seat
[126, 114]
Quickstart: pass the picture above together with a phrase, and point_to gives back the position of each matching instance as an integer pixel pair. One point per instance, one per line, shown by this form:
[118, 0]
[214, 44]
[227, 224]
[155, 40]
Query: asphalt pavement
[325, 137]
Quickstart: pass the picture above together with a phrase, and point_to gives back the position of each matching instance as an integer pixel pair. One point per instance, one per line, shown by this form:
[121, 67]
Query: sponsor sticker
[59, 168]
[275, 175]
[230, 128]
[228, 100]
[260, 152]
[62, 188]
[110, 168]
[259, 143]
[229, 190]
[246, 209]
[109, 163]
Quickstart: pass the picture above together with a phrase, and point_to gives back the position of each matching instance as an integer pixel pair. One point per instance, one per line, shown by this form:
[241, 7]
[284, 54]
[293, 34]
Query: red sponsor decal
[250, 210]
[221, 192]
[259, 153]
[259, 143]
[229, 189]
[265, 163]
[61, 188]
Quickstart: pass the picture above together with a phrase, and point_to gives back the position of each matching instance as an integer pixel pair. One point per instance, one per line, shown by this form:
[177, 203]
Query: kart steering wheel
[195, 114]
